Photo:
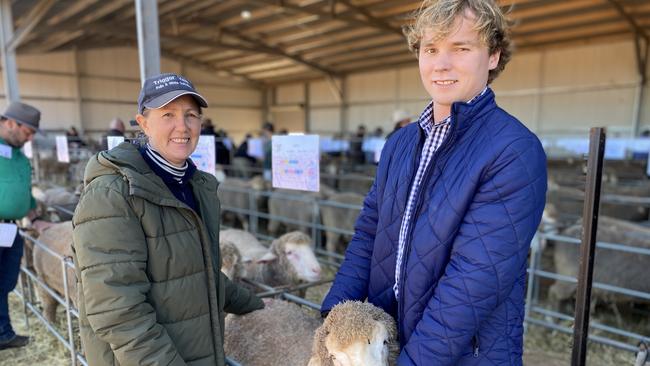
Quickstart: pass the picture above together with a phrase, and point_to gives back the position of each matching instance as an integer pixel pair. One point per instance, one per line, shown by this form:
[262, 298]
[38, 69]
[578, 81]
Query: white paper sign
[378, 148]
[204, 156]
[113, 141]
[256, 148]
[296, 163]
[27, 150]
[62, 154]
[7, 234]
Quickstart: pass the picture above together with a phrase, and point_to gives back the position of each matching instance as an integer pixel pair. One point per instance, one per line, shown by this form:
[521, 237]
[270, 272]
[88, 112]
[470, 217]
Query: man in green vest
[18, 124]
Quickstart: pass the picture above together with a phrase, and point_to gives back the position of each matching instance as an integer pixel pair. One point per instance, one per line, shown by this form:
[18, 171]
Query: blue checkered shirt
[436, 134]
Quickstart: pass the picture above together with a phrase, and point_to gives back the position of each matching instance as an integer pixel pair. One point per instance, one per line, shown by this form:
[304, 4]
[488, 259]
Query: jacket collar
[465, 114]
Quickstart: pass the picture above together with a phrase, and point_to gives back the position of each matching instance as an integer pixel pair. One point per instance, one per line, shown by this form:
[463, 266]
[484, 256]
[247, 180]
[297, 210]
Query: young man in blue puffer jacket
[442, 240]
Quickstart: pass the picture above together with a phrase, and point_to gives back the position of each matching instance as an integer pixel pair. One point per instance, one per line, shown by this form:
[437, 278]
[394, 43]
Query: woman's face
[174, 129]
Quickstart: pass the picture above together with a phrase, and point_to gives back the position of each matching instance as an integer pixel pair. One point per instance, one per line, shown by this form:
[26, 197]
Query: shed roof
[292, 40]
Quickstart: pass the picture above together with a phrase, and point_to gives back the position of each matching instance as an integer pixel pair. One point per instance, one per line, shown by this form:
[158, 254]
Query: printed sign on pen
[295, 162]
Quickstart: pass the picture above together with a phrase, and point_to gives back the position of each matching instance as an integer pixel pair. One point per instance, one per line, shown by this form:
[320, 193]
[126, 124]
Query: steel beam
[146, 12]
[9, 68]
[31, 20]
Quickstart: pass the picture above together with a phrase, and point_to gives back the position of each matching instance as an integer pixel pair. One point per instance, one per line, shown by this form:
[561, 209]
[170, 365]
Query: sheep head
[295, 253]
[355, 334]
[231, 260]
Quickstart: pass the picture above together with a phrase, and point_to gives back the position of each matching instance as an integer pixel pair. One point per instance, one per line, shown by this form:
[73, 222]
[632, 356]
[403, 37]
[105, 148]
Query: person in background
[267, 133]
[18, 124]
[73, 137]
[115, 128]
[207, 128]
[221, 143]
[146, 243]
[401, 118]
[442, 240]
[355, 154]
[242, 162]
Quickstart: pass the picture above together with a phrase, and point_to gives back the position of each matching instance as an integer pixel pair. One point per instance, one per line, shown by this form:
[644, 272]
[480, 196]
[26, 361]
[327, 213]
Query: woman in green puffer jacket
[146, 234]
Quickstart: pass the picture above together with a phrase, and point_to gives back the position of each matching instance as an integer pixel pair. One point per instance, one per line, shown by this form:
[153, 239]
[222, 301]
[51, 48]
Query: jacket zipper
[475, 345]
[407, 247]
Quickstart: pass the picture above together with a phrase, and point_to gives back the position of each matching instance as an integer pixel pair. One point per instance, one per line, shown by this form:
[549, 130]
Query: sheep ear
[246, 259]
[268, 257]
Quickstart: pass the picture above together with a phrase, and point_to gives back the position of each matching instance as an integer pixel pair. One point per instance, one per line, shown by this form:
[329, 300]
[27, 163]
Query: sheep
[354, 334]
[46, 198]
[569, 201]
[287, 204]
[279, 334]
[355, 182]
[234, 193]
[615, 268]
[289, 260]
[58, 238]
[231, 260]
[340, 218]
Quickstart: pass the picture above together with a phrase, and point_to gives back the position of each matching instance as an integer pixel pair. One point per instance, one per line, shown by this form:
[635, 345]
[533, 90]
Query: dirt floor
[542, 347]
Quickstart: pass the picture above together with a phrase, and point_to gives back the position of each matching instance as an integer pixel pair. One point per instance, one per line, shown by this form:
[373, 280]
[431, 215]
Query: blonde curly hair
[491, 23]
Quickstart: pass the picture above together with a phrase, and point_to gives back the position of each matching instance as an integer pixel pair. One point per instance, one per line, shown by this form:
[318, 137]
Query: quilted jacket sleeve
[488, 255]
[111, 256]
[351, 282]
[239, 300]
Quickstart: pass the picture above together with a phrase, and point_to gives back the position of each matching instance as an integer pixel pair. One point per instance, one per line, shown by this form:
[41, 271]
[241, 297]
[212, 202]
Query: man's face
[455, 68]
[174, 129]
[18, 134]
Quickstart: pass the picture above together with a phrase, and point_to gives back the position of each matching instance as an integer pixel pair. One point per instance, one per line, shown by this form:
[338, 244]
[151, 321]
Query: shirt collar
[426, 118]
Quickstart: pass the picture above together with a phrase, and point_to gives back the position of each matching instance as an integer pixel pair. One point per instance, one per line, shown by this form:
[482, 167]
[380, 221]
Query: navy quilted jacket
[462, 289]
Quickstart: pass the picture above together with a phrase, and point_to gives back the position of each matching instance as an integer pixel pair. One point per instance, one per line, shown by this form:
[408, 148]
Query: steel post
[588, 245]
[146, 12]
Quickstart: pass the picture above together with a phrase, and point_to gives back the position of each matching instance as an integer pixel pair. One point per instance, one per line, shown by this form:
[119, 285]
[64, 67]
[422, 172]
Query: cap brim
[163, 100]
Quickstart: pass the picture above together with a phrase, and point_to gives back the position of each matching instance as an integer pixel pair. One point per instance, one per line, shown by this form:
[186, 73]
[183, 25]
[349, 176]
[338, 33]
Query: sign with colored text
[204, 155]
[296, 164]
[62, 154]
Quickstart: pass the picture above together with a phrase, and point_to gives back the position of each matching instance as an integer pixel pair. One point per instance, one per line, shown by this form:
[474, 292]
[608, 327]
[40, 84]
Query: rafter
[32, 19]
[630, 19]
[261, 46]
[377, 22]
[316, 10]
[74, 9]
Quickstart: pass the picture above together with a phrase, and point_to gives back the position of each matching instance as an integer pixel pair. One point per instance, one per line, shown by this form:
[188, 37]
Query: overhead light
[246, 14]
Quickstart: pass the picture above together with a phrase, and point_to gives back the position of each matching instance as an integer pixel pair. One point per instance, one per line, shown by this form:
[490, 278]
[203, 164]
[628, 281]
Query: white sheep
[231, 263]
[354, 334]
[289, 260]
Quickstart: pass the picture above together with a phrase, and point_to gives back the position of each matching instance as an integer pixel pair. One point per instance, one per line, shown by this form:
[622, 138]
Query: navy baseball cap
[159, 90]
